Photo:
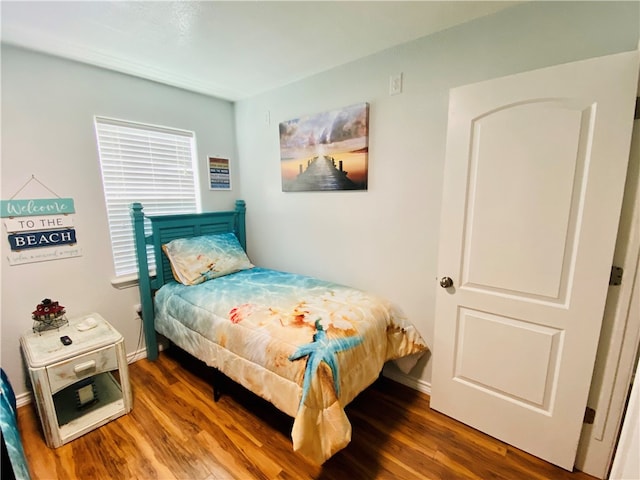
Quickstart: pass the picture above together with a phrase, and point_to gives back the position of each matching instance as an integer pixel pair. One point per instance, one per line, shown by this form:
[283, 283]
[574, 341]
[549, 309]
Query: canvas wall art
[326, 151]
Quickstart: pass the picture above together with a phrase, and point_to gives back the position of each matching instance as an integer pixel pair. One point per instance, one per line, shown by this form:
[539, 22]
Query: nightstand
[81, 386]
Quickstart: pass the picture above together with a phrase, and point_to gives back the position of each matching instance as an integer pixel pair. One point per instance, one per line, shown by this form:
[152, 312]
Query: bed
[306, 345]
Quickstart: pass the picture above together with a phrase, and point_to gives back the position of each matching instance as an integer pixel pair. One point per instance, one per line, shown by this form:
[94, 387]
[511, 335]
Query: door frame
[619, 344]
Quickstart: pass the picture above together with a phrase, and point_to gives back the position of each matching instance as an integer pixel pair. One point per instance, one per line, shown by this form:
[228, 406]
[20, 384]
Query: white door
[534, 175]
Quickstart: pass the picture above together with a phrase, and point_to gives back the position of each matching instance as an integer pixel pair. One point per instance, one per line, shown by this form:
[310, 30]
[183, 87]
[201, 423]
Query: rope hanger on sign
[33, 178]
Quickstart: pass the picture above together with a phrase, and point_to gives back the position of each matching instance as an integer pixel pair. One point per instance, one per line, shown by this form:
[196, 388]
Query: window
[153, 165]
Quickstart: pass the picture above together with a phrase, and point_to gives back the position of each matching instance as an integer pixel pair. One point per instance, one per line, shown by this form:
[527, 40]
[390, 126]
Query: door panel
[521, 371]
[534, 175]
[533, 210]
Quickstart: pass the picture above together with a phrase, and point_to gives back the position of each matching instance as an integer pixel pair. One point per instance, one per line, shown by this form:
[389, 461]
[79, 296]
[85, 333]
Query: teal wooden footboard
[165, 228]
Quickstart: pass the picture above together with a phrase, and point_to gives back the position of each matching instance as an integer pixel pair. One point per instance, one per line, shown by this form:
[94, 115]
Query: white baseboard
[23, 399]
[137, 355]
[411, 382]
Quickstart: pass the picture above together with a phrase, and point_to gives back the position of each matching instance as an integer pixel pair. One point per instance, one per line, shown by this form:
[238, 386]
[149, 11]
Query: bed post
[144, 281]
[241, 231]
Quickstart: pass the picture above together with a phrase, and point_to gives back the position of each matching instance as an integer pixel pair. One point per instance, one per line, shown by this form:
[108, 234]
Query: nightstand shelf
[77, 387]
[72, 419]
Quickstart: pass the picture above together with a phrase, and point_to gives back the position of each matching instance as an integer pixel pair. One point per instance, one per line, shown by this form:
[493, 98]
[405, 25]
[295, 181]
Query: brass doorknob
[446, 282]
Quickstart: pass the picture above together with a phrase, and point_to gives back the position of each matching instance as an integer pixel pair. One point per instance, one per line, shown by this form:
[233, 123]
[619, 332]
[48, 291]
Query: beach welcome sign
[39, 229]
[40, 206]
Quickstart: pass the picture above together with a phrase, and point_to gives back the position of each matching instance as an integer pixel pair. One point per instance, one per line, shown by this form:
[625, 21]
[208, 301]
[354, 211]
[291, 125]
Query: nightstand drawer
[69, 372]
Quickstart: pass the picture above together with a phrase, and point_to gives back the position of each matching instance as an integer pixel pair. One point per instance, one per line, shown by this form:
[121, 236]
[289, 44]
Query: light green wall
[48, 106]
[386, 239]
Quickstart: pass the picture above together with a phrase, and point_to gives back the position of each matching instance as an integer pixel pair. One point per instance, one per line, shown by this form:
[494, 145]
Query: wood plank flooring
[177, 431]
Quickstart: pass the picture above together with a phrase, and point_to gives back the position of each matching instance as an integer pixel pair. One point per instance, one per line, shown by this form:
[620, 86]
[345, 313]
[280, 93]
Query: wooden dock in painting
[322, 173]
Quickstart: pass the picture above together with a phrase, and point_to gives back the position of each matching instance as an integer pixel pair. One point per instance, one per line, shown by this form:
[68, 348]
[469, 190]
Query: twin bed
[306, 345]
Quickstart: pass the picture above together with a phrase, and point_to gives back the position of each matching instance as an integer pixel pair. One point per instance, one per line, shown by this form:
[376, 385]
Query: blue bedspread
[10, 432]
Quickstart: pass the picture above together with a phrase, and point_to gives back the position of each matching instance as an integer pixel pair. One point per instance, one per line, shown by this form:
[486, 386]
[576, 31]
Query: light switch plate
[395, 84]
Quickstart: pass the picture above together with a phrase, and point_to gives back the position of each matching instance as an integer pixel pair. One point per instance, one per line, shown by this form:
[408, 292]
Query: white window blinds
[153, 165]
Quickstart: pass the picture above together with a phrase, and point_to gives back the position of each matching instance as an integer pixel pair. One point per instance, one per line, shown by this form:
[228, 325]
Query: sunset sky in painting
[341, 134]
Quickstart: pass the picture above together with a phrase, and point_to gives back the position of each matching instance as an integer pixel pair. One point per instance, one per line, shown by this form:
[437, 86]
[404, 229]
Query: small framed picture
[219, 173]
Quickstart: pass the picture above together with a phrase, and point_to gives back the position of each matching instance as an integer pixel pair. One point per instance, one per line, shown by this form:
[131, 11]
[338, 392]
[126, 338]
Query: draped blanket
[306, 345]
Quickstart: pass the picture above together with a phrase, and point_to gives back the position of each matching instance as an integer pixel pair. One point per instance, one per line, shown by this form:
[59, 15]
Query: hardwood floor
[176, 431]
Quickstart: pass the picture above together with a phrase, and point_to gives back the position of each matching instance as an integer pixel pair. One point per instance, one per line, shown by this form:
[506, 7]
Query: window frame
[146, 159]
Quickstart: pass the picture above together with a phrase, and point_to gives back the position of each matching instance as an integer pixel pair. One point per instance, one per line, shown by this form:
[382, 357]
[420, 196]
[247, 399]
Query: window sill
[127, 281]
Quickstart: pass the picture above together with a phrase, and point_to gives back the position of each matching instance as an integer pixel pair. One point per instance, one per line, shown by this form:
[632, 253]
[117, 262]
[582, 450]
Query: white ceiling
[228, 49]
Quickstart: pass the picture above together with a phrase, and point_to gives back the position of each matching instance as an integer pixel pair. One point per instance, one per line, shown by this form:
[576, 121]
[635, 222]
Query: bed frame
[165, 228]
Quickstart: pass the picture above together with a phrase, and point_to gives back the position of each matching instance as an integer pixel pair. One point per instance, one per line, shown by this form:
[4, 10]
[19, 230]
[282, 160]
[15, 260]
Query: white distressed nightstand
[81, 386]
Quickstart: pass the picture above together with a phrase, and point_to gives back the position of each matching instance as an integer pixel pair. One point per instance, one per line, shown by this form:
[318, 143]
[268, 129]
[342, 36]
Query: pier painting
[326, 151]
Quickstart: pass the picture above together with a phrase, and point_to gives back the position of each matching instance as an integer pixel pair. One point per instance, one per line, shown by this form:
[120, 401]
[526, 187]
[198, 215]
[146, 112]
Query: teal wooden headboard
[165, 228]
